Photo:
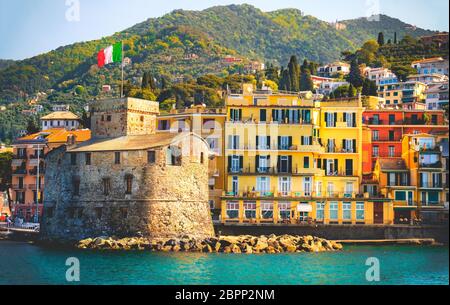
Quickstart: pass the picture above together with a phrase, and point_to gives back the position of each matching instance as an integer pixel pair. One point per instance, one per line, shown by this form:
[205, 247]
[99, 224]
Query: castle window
[88, 158]
[173, 156]
[49, 212]
[106, 186]
[129, 184]
[151, 156]
[76, 186]
[142, 118]
[117, 158]
[73, 159]
[98, 213]
[202, 158]
[108, 118]
[124, 212]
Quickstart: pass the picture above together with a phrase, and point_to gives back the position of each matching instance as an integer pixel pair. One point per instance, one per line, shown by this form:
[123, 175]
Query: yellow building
[404, 94]
[291, 158]
[209, 123]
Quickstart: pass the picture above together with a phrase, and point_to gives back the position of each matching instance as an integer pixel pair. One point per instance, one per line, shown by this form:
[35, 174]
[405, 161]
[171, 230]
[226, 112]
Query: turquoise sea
[23, 263]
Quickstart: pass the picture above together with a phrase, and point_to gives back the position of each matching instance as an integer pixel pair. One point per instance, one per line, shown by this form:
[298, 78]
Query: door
[262, 115]
[378, 214]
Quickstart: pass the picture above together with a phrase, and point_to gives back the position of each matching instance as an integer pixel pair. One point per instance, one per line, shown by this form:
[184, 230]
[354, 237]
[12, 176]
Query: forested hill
[193, 43]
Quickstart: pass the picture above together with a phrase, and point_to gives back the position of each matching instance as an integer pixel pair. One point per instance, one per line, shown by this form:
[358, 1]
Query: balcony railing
[18, 186]
[20, 171]
[430, 185]
[431, 165]
[275, 171]
[386, 139]
[33, 172]
[296, 194]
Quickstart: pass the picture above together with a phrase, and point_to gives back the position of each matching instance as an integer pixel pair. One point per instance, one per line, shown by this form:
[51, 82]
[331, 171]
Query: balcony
[19, 171]
[18, 187]
[386, 139]
[274, 171]
[405, 203]
[430, 185]
[430, 165]
[33, 172]
[339, 150]
[33, 187]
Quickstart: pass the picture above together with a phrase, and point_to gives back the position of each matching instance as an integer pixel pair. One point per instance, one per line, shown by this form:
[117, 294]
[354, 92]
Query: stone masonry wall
[166, 201]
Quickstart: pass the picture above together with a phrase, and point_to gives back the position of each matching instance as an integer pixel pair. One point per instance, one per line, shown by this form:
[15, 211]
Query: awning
[304, 207]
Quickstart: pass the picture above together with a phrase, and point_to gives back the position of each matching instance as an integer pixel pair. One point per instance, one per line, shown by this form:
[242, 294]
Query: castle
[127, 180]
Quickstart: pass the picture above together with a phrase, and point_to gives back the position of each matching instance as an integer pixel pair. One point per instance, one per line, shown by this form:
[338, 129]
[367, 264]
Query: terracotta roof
[57, 135]
[432, 59]
[392, 164]
[136, 142]
[60, 115]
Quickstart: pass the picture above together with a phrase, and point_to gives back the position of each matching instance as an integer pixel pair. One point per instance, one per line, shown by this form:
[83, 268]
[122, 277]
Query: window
[333, 210]
[163, 125]
[213, 143]
[108, 118]
[284, 143]
[151, 156]
[128, 184]
[236, 115]
[106, 186]
[306, 140]
[263, 185]
[123, 212]
[306, 162]
[284, 164]
[262, 164]
[233, 210]
[391, 151]
[76, 186]
[348, 167]
[330, 146]
[173, 156]
[233, 142]
[375, 151]
[235, 163]
[349, 145]
[88, 158]
[307, 186]
[262, 142]
[285, 210]
[117, 158]
[285, 185]
[319, 188]
[350, 119]
[346, 211]
[375, 135]
[267, 210]
[320, 207]
[73, 159]
[330, 119]
[349, 188]
[360, 211]
[330, 189]
[235, 185]
[400, 196]
[250, 210]
[98, 213]
[202, 157]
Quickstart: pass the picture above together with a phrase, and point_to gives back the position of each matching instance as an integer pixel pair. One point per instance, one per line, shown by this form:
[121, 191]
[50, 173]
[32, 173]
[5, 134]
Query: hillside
[165, 45]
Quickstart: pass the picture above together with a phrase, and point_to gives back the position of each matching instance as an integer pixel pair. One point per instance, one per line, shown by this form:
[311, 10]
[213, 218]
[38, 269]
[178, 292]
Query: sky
[32, 27]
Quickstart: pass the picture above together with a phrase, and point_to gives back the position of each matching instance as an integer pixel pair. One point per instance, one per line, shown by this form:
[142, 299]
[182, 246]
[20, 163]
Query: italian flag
[109, 55]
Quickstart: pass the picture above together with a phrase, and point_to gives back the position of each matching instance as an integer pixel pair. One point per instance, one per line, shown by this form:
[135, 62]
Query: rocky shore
[223, 244]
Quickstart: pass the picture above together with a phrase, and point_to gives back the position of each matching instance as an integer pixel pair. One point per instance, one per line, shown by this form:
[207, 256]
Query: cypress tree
[355, 78]
[395, 37]
[306, 83]
[294, 74]
[285, 81]
[381, 38]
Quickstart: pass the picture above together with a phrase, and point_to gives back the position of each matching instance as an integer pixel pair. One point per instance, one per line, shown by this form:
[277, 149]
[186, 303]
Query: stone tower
[123, 117]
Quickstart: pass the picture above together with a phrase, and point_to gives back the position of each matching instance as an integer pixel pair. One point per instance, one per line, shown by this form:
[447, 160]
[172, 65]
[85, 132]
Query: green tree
[6, 174]
[32, 126]
[380, 39]
[294, 74]
[285, 81]
[306, 83]
[354, 77]
[351, 91]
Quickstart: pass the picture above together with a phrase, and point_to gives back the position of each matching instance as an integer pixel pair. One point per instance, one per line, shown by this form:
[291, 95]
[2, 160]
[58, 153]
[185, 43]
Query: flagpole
[121, 86]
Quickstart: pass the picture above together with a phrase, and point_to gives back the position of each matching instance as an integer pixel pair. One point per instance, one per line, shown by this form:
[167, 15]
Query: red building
[388, 126]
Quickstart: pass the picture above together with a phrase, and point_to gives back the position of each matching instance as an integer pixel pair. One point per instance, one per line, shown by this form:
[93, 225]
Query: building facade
[293, 158]
[128, 180]
[60, 119]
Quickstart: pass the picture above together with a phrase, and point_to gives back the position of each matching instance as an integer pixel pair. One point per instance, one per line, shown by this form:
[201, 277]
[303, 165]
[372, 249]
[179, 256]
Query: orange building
[28, 167]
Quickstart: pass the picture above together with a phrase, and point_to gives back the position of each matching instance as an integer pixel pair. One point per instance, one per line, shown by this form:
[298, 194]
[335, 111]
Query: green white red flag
[110, 54]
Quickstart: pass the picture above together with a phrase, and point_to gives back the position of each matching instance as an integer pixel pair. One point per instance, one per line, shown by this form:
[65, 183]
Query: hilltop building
[334, 69]
[128, 180]
[60, 119]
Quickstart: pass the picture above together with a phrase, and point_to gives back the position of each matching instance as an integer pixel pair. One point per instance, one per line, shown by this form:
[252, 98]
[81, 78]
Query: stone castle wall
[166, 200]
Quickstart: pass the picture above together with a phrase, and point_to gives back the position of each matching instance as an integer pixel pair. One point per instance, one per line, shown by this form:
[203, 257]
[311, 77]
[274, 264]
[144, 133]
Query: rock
[207, 249]
[235, 249]
[227, 249]
[291, 248]
[217, 246]
[176, 248]
[260, 245]
[270, 250]
[166, 248]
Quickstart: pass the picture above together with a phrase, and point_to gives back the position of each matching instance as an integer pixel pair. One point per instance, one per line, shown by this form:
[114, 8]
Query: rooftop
[61, 115]
[56, 136]
[392, 164]
[427, 60]
[135, 142]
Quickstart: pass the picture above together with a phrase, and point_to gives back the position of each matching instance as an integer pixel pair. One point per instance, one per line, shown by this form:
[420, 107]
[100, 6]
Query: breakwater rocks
[223, 244]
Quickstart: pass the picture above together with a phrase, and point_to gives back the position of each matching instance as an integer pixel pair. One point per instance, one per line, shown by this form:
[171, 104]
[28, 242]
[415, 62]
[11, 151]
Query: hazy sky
[31, 27]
